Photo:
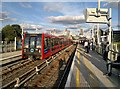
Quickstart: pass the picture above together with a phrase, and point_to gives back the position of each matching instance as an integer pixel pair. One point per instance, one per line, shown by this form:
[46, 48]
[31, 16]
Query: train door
[47, 47]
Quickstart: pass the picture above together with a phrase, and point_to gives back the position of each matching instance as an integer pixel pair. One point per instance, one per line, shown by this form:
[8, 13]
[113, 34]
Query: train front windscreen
[32, 44]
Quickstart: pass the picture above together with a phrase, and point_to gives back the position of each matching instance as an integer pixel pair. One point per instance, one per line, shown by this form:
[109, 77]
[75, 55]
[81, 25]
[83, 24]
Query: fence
[8, 47]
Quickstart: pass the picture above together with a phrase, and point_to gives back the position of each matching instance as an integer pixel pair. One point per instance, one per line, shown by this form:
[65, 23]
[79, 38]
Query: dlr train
[41, 46]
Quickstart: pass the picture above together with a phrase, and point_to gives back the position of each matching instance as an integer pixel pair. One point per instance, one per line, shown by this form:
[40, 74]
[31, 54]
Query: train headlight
[26, 46]
[39, 51]
[24, 50]
[36, 49]
[38, 46]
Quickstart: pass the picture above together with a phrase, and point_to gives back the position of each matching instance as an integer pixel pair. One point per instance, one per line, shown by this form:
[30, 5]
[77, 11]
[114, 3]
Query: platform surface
[8, 54]
[87, 71]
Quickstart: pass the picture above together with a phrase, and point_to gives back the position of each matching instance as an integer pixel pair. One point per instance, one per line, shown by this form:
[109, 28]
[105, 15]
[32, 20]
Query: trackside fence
[8, 47]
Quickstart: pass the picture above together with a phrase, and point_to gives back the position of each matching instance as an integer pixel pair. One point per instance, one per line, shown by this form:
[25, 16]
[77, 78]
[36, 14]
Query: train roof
[46, 34]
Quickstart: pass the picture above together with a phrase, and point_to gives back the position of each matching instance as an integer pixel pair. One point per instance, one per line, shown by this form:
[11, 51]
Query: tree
[8, 33]
[18, 30]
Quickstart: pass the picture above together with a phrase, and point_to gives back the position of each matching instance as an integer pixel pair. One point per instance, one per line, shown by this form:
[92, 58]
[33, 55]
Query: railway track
[18, 70]
[8, 63]
[10, 60]
[33, 68]
[51, 76]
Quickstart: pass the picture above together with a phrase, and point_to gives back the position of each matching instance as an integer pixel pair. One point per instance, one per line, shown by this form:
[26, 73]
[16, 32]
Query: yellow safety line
[78, 72]
[77, 78]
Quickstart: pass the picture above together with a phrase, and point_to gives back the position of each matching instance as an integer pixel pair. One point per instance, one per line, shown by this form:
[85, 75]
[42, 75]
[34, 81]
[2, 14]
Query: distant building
[66, 32]
[53, 32]
[87, 34]
[81, 33]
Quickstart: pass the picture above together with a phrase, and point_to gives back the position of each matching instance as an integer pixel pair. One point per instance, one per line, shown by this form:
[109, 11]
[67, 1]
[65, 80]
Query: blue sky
[59, 15]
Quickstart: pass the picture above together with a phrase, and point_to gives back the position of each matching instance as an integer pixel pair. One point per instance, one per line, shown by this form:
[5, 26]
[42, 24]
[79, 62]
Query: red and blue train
[42, 46]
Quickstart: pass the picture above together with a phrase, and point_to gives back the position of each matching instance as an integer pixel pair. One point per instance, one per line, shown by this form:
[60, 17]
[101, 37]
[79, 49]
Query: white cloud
[111, 3]
[111, 0]
[67, 20]
[4, 17]
[25, 5]
[65, 9]
[10, 19]
[52, 29]
[50, 7]
[32, 26]
[106, 4]
[77, 26]
[54, 0]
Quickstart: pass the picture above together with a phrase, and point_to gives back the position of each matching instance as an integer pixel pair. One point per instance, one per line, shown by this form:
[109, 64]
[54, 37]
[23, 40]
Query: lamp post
[98, 26]
[22, 33]
[15, 44]
[109, 25]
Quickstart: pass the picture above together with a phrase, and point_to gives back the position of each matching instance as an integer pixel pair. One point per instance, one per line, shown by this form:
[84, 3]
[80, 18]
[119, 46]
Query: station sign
[92, 15]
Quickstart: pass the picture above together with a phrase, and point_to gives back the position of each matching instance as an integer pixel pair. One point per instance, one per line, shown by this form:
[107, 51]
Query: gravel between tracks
[50, 77]
[19, 71]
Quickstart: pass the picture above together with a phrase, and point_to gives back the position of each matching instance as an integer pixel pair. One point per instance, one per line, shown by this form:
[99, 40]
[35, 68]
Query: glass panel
[26, 43]
[52, 42]
[46, 43]
[38, 43]
[32, 42]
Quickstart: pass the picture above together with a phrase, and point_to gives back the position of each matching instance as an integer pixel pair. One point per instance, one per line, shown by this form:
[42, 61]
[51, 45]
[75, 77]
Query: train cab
[31, 46]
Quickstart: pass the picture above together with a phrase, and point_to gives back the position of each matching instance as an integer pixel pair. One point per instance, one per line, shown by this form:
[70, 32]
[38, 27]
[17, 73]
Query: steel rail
[42, 66]
[8, 60]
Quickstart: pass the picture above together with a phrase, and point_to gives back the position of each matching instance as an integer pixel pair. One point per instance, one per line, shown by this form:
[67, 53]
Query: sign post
[110, 26]
[15, 44]
[100, 16]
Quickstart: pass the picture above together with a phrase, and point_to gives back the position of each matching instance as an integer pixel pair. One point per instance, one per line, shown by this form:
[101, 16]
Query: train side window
[56, 41]
[61, 43]
[52, 44]
[49, 43]
[46, 45]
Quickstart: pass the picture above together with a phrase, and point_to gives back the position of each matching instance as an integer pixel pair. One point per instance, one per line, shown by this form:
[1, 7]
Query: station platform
[10, 54]
[87, 71]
